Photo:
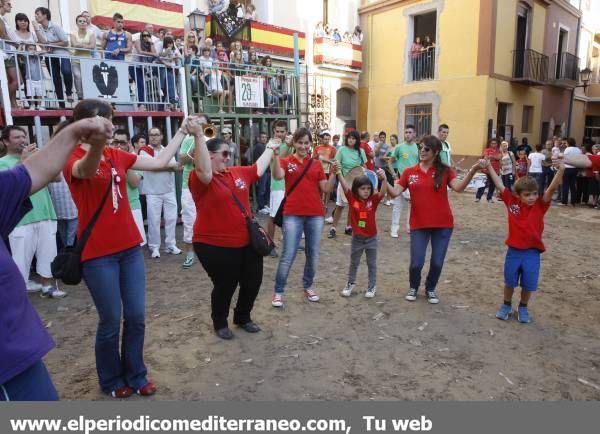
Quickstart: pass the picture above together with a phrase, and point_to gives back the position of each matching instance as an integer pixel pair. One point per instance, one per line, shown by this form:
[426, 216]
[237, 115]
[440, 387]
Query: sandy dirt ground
[359, 349]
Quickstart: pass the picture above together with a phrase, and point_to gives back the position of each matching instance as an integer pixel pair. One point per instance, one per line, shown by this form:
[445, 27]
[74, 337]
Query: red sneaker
[122, 392]
[147, 389]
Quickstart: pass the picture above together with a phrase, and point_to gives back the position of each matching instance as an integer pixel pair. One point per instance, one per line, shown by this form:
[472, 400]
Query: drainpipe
[573, 90]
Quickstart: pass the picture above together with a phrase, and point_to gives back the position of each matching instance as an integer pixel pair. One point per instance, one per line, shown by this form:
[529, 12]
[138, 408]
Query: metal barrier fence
[422, 65]
[50, 80]
[215, 87]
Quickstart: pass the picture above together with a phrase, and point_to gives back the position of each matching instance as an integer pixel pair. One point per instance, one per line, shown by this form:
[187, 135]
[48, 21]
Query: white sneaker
[347, 291]
[52, 292]
[329, 220]
[154, 253]
[371, 292]
[33, 286]
[411, 295]
[394, 234]
[277, 300]
[174, 250]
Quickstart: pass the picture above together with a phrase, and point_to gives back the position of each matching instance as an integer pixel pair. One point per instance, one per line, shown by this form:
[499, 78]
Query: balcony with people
[331, 48]
[421, 57]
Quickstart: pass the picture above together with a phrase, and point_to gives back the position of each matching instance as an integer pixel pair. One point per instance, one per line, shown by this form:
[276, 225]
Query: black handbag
[259, 238]
[66, 266]
[278, 219]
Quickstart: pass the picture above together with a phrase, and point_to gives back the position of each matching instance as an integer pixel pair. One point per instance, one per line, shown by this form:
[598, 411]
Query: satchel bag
[66, 266]
[278, 219]
[259, 238]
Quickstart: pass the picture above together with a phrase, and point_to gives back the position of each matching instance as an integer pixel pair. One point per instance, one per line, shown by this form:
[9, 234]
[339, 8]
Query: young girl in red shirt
[362, 203]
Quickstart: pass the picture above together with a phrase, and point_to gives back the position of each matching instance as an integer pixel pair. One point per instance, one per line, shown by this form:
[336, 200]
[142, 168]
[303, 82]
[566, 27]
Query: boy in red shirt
[526, 210]
[362, 205]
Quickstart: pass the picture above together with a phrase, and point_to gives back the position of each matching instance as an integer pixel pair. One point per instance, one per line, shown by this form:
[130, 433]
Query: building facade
[492, 68]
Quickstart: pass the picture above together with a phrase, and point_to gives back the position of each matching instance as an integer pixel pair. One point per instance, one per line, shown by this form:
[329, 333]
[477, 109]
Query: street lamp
[585, 76]
[197, 20]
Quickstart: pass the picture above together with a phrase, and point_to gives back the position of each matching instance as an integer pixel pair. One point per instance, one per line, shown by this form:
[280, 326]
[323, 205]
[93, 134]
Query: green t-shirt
[349, 158]
[41, 201]
[133, 194]
[406, 155]
[279, 184]
[187, 147]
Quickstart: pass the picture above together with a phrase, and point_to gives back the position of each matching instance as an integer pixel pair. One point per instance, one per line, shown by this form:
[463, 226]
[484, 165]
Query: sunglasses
[426, 148]
[224, 154]
[119, 142]
[146, 36]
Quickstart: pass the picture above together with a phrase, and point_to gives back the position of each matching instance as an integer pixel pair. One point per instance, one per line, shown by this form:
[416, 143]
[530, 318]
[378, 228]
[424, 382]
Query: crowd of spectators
[333, 33]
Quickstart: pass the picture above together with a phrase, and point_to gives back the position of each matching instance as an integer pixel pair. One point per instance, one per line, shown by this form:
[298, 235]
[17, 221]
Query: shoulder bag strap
[88, 230]
[295, 184]
[235, 199]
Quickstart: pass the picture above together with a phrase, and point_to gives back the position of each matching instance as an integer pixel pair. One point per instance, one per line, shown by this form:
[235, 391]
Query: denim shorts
[522, 266]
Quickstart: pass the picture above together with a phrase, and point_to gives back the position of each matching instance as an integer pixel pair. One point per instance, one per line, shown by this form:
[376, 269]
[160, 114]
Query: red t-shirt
[429, 208]
[305, 200]
[219, 221]
[370, 162]
[362, 214]
[525, 223]
[113, 231]
[595, 159]
[492, 152]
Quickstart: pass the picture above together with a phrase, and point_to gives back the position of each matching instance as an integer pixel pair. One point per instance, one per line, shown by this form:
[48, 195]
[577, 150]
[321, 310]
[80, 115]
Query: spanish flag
[137, 13]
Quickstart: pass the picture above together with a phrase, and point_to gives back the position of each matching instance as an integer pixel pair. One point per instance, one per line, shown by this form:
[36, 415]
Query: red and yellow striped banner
[137, 13]
[337, 53]
[276, 40]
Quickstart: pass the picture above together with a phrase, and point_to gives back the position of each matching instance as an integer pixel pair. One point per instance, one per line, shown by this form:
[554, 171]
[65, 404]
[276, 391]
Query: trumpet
[210, 131]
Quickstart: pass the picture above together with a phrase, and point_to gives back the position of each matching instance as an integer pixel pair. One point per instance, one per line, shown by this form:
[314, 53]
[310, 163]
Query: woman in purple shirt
[23, 338]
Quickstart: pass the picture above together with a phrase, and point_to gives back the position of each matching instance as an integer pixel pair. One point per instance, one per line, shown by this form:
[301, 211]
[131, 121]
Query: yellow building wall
[517, 95]
[506, 29]
[462, 94]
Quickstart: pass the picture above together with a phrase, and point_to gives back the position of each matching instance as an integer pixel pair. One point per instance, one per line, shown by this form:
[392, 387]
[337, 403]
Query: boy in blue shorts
[526, 210]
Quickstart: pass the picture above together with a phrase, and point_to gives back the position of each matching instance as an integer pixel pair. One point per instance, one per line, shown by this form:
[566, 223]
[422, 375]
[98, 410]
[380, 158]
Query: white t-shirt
[571, 150]
[536, 159]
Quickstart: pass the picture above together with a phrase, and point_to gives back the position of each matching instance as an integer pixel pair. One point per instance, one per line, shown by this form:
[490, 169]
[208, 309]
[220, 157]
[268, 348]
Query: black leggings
[227, 268]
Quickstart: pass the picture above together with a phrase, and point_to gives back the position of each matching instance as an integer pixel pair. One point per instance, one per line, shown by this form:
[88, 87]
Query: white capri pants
[35, 239]
[340, 199]
[188, 210]
[275, 199]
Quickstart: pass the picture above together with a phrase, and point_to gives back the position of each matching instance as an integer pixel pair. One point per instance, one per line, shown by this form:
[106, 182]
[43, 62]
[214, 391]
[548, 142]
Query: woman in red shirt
[427, 183]
[494, 155]
[113, 263]
[303, 212]
[221, 239]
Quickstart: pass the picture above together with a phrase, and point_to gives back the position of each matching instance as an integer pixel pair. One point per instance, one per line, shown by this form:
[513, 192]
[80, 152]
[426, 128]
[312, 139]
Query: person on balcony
[336, 36]
[251, 12]
[84, 43]
[170, 58]
[203, 73]
[60, 66]
[216, 6]
[117, 42]
[8, 33]
[415, 55]
[236, 9]
[429, 58]
[96, 31]
[146, 50]
[26, 38]
[190, 41]
[224, 79]
[319, 30]
[357, 36]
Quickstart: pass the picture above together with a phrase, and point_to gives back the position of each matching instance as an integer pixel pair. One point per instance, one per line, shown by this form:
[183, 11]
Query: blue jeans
[263, 189]
[33, 384]
[508, 181]
[118, 282]
[419, 239]
[67, 230]
[539, 178]
[60, 69]
[293, 226]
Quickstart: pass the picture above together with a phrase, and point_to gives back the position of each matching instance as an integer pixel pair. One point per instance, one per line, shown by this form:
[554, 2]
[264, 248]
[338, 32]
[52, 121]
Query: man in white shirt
[159, 188]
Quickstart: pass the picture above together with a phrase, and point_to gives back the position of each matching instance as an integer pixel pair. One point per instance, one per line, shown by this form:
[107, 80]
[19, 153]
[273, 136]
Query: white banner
[105, 79]
[249, 92]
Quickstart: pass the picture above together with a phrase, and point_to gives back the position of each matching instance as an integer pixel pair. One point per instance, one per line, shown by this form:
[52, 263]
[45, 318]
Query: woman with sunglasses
[221, 239]
[428, 183]
[146, 51]
[113, 263]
